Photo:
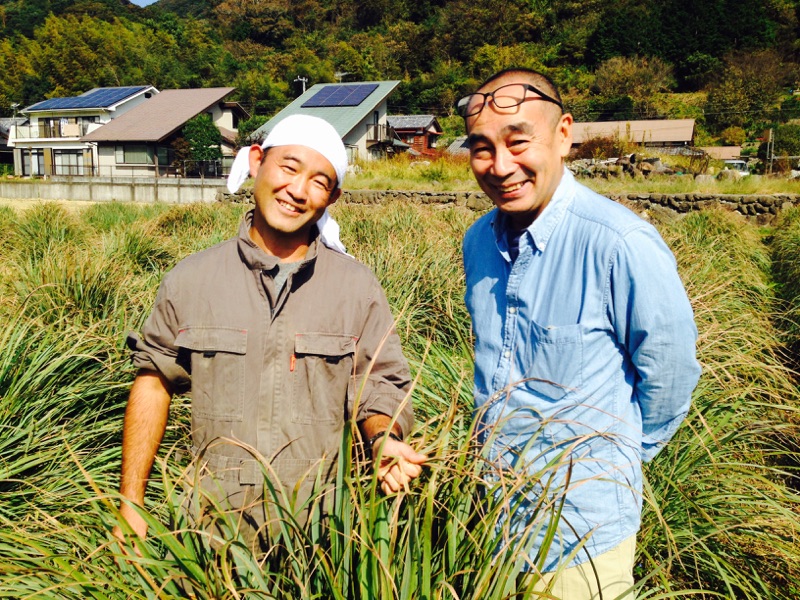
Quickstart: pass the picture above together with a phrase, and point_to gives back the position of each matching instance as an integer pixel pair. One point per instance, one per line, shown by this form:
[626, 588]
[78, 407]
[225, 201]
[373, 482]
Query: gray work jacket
[278, 372]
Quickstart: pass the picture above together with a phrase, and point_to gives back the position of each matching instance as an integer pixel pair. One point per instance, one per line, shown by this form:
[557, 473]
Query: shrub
[600, 147]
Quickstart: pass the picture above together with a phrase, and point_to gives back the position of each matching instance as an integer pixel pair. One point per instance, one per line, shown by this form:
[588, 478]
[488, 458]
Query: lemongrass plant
[720, 506]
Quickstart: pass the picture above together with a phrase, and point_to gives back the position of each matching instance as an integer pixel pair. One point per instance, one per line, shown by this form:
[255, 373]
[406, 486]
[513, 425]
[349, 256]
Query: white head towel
[314, 133]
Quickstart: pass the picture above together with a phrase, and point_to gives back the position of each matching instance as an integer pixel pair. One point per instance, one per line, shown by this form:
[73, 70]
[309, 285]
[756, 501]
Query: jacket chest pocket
[217, 357]
[555, 364]
[322, 377]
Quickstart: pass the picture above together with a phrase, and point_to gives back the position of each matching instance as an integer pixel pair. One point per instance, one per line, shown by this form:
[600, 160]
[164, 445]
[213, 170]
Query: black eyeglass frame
[463, 103]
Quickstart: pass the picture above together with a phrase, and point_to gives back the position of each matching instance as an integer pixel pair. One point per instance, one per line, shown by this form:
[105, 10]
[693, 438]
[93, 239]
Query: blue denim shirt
[584, 365]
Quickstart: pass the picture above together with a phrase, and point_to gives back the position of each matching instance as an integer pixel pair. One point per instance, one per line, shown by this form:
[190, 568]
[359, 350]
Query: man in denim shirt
[584, 340]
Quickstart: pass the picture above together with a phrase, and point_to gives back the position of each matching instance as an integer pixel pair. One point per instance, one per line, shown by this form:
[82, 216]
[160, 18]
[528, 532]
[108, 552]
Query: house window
[67, 162]
[32, 156]
[134, 154]
[165, 155]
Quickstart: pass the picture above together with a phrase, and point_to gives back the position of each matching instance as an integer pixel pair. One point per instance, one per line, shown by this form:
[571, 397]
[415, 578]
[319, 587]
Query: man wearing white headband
[281, 338]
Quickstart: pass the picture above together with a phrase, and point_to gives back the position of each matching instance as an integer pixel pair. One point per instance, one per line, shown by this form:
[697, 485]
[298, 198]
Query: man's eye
[322, 184]
[481, 152]
[288, 168]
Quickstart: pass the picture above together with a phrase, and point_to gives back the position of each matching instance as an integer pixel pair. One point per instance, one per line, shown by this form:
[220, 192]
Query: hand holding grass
[396, 463]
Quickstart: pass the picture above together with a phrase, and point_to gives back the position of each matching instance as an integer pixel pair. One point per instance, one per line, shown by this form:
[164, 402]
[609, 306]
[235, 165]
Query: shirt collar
[544, 225]
[255, 258]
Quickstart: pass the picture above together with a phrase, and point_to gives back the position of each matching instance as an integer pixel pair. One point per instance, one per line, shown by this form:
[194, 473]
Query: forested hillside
[730, 64]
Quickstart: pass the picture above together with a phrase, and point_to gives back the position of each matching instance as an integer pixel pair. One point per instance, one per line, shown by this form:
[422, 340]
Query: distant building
[140, 143]
[50, 143]
[662, 133]
[420, 132]
[357, 110]
[722, 152]
[459, 146]
[7, 128]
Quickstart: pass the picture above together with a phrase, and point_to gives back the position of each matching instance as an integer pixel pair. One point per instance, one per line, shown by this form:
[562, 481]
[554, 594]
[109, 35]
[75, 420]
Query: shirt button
[513, 310]
[506, 353]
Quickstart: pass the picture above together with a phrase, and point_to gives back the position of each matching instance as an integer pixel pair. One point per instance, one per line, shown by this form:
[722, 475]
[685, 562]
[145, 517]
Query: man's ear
[334, 195]
[256, 156]
[564, 133]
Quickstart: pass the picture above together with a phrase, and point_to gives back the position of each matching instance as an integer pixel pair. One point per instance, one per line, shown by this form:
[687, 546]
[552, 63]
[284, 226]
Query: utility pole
[304, 80]
[770, 151]
[14, 107]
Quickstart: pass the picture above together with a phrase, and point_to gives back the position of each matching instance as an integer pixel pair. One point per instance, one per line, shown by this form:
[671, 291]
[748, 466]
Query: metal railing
[379, 133]
[44, 130]
[213, 169]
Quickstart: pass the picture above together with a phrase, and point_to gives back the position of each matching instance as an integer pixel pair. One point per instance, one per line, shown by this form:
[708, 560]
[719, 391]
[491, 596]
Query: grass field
[721, 513]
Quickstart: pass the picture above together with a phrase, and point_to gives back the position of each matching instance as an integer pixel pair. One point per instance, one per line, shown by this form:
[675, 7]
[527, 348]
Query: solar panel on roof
[98, 98]
[340, 95]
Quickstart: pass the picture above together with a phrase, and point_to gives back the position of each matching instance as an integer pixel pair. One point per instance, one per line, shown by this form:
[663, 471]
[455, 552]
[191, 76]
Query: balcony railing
[379, 133]
[49, 131]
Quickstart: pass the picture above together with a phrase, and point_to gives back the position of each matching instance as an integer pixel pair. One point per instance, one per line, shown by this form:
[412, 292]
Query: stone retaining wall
[761, 207]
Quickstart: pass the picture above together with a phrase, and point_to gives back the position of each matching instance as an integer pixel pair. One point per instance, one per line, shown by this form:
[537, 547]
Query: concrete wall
[108, 189]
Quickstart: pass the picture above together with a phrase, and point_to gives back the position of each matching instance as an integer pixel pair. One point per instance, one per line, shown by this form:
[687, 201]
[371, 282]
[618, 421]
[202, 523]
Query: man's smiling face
[293, 187]
[517, 153]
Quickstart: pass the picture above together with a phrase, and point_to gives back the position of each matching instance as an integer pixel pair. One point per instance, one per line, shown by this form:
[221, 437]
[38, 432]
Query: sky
[143, 2]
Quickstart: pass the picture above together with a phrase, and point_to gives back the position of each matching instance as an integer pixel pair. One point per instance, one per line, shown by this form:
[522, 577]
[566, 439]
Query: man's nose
[503, 163]
[298, 187]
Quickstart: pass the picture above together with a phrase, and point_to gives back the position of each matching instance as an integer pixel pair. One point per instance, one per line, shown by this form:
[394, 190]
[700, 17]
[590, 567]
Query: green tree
[203, 138]
[787, 140]
[748, 90]
[676, 30]
[247, 127]
[639, 78]
[733, 136]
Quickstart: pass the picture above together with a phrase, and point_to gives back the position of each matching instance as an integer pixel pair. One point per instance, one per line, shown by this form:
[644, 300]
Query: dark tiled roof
[411, 121]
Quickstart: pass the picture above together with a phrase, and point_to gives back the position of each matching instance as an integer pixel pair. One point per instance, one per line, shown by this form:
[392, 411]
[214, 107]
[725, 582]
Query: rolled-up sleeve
[383, 380]
[654, 322]
[155, 348]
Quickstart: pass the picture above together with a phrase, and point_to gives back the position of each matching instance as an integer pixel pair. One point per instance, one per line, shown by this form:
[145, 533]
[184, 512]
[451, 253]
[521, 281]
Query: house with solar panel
[51, 141]
[142, 142]
[357, 110]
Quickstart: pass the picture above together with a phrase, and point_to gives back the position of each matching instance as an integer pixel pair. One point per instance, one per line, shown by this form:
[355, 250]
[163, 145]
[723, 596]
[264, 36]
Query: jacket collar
[256, 259]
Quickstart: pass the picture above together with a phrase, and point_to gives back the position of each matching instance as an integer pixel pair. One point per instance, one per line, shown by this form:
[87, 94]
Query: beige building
[654, 133]
[50, 142]
[142, 142]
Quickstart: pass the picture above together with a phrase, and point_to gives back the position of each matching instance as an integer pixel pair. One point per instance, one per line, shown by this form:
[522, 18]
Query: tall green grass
[785, 247]
[721, 510]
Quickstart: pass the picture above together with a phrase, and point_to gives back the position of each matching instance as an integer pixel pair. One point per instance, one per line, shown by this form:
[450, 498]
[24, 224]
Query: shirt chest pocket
[554, 366]
[322, 377]
[217, 362]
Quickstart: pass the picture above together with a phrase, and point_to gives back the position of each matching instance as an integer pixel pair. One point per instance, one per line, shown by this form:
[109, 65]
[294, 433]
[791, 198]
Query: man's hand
[399, 464]
[136, 522]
